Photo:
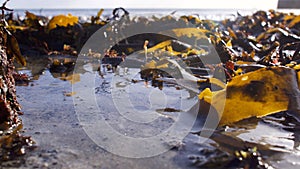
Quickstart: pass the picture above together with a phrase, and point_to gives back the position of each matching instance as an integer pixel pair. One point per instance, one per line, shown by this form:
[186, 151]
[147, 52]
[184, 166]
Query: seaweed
[12, 143]
[259, 55]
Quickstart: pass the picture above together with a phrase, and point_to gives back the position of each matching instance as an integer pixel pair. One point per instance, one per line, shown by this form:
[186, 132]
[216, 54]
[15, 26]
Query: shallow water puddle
[56, 122]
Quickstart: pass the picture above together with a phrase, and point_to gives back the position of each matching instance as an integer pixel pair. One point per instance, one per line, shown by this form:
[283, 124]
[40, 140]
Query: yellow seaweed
[13, 49]
[154, 65]
[294, 21]
[62, 20]
[270, 32]
[190, 32]
[30, 15]
[255, 94]
[166, 46]
[100, 13]
[231, 33]
[96, 19]
[161, 45]
[288, 17]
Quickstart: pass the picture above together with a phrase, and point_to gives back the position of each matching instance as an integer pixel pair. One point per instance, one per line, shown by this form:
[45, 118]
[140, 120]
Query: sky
[177, 4]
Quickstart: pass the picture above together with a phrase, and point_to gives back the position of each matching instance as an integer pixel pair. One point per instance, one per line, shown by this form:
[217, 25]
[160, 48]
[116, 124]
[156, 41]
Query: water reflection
[276, 136]
[60, 67]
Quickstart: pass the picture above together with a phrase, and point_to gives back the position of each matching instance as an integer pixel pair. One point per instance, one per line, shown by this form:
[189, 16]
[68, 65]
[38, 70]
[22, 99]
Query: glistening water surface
[50, 118]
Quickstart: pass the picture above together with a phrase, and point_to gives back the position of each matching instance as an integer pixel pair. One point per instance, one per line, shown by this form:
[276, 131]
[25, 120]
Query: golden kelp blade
[161, 45]
[100, 13]
[255, 94]
[216, 82]
[14, 50]
[62, 20]
[154, 65]
[270, 32]
[189, 32]
[166, 46]
[294, 21]
[30, 15]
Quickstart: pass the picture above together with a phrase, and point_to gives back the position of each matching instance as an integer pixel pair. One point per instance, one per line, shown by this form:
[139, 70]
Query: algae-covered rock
[12, 143]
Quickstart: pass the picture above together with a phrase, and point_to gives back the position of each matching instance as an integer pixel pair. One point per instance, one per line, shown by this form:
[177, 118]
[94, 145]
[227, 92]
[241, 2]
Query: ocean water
[84, 14]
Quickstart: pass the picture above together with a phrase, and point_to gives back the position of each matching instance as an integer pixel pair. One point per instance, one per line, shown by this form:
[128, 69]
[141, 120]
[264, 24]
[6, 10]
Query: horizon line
[155, 8]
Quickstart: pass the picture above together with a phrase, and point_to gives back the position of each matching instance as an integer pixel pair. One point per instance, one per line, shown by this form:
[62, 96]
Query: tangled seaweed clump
[244, 45]
[12, 143]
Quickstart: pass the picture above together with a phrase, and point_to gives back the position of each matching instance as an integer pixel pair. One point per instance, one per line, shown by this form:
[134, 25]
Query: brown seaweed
[12, 143]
